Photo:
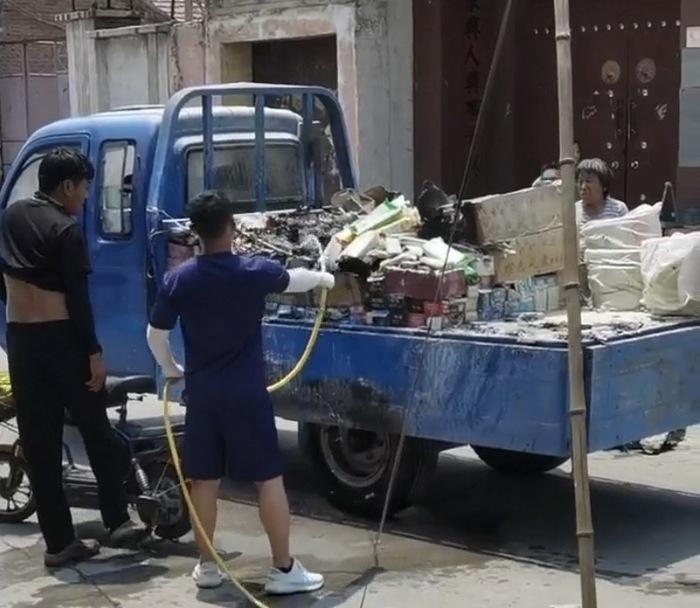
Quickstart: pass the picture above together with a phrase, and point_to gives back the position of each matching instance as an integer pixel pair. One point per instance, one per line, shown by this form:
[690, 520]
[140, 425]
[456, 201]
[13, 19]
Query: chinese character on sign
[473, 27]
[471, 56]
[472, 80]
[473, 106]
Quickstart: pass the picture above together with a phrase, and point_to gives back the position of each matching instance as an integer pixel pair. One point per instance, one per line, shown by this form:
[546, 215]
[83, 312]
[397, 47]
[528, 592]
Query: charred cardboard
[530, 256]
[524, 228]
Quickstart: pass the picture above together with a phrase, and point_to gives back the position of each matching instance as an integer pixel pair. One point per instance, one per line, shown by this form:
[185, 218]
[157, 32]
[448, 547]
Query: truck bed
[499, 384]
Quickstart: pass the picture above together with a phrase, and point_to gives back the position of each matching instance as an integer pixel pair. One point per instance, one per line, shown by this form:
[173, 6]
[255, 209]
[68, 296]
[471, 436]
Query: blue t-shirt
[220, 300]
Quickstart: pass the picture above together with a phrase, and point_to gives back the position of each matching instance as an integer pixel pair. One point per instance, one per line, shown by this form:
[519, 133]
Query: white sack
[625, 232]
[664, 262]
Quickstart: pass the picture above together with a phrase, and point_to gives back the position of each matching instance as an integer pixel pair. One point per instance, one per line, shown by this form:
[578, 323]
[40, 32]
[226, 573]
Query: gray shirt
[611, 209]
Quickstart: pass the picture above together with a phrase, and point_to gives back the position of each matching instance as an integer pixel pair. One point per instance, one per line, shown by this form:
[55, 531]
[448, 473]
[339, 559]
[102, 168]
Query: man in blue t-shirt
[219, 299]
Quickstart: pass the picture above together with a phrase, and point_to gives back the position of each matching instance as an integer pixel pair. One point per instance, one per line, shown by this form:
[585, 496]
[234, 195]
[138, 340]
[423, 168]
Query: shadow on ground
[639, 529]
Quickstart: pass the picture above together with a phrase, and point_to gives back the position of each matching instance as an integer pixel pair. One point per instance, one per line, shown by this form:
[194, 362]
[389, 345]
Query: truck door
[115, 219]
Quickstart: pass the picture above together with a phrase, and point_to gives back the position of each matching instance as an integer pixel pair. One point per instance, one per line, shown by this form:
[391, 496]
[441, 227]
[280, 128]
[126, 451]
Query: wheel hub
[167, 493]
[357, 458]
[15, 488]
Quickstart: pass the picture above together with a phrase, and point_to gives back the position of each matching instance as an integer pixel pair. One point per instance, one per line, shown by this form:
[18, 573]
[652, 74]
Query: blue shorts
[235, 438]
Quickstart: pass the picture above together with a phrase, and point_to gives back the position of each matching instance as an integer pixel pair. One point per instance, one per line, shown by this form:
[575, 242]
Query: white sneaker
[207, 575]
[297, 580]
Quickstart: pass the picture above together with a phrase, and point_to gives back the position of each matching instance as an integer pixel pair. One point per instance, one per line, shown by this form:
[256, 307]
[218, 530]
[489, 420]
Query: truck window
[116, 188]
[27, 182]
[234, 174]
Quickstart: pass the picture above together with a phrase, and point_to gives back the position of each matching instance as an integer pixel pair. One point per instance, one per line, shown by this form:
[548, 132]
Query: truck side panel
[488, 392]
[494, 394]
[644, 386]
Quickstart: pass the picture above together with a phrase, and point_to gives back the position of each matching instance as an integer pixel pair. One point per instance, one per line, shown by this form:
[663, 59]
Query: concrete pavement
[478, 539]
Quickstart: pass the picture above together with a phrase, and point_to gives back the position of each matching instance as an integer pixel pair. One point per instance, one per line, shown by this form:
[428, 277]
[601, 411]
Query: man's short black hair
[211, 213]
[63, 164]
[599, 168]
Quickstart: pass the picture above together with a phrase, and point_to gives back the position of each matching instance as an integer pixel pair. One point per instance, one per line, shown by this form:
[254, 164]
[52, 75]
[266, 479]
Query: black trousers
[48, 370]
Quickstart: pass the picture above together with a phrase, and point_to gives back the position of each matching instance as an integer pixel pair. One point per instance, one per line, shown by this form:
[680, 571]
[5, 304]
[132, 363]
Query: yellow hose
[296, 370]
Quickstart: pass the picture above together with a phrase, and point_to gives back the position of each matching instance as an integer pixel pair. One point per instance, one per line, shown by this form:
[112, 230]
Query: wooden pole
[577, 396]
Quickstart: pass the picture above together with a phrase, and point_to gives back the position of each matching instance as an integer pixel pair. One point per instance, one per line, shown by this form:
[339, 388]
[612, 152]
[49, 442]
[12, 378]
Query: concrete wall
[82, 67]
[688, 190]
[143, 54]
[384, 55]
[100, 59]
[375, 69]
[374, 46]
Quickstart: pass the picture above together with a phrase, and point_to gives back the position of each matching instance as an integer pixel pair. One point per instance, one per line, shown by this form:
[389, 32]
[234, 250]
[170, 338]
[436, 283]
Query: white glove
[326, 280]
[302, 280]
[174, 372]
[159, 343]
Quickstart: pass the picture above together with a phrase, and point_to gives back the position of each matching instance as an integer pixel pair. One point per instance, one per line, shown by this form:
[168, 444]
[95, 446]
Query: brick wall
[34, 20]
[32, 41]
[26, 20]
[31, 19]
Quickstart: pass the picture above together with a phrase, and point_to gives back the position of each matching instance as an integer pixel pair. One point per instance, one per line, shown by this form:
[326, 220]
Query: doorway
[626, 69]
[626, 84]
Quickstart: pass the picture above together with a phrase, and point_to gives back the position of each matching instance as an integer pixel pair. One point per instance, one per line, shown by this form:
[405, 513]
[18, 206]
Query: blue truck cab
[132, 163]
[363, 385]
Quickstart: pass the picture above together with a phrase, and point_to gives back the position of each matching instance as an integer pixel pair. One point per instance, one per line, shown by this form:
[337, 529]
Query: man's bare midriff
[27, 303]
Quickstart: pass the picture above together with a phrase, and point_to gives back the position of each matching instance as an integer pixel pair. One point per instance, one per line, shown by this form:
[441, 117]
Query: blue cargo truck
[505, 398]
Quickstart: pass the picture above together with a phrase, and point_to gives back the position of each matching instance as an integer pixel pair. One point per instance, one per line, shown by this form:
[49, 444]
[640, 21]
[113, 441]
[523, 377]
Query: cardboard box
[523, 229]
[423, 285]
[530, 255]
[346, 293]
[525, 213]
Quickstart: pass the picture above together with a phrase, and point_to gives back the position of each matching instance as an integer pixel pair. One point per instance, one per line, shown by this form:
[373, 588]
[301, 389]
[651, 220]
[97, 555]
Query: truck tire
[354, 467]
[517, 463]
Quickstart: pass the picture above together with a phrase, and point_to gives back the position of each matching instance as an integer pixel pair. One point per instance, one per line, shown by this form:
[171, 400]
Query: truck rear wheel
[354, 467]
[517, 463]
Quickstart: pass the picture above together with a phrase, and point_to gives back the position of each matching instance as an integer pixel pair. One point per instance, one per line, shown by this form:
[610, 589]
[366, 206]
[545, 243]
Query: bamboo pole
[577, 396]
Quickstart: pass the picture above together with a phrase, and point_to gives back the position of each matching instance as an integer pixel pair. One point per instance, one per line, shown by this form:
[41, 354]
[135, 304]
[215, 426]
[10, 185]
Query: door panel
[626, 83]
[654, 76]
[600, 97]
[116, 217]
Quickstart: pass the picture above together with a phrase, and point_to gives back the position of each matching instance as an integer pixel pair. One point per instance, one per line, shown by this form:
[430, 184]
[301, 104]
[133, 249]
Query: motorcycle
[152, 485]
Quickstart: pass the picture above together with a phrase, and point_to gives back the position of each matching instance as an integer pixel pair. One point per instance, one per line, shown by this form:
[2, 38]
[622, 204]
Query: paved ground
[479, 540]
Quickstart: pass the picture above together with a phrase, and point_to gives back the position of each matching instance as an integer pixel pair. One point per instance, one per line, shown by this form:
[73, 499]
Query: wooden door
[653, 107]
[600, 96]
[626, 90]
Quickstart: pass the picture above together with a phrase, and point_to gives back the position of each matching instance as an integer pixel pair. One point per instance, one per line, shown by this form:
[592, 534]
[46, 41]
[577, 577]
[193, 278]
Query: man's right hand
[98, 373]
[326, 280]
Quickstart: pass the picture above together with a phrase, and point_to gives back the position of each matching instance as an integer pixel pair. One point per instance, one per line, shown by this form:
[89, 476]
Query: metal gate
[33, 92]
